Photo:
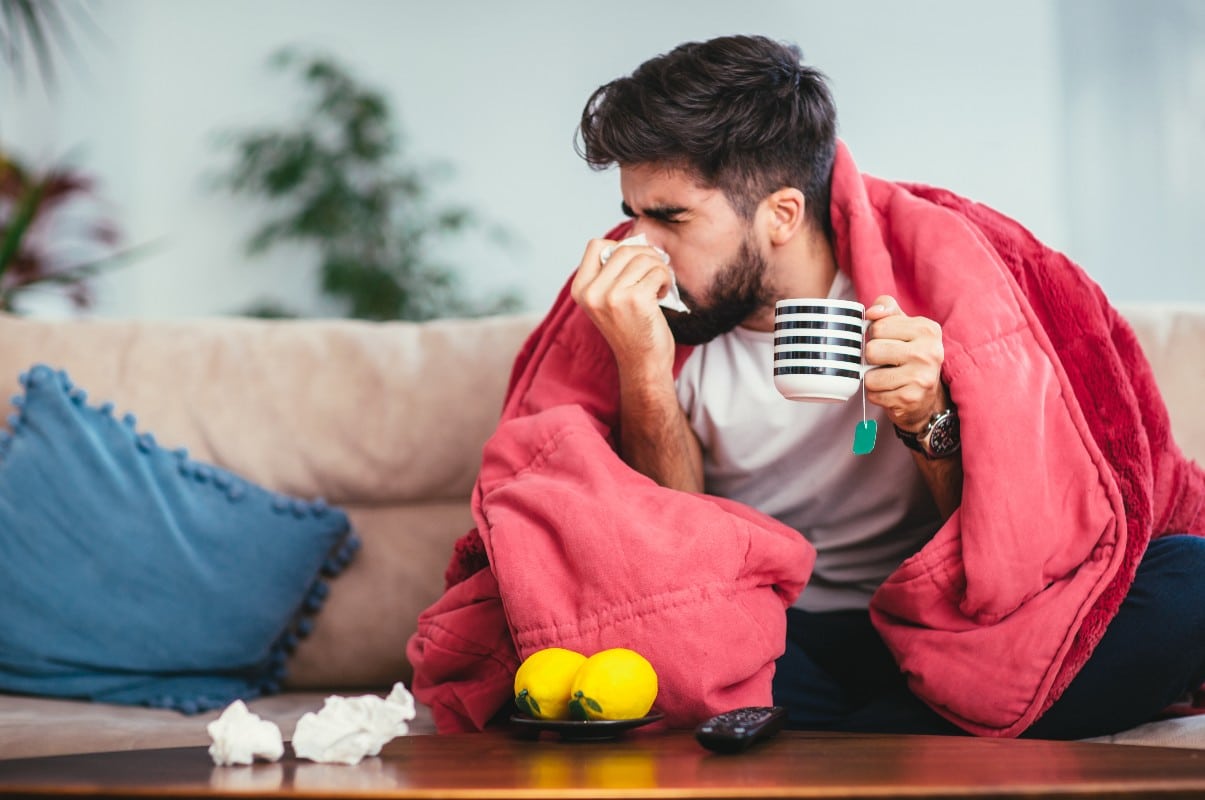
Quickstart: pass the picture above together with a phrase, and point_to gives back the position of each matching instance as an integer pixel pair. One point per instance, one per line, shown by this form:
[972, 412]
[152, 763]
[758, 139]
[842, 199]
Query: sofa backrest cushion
[1171, 335]
[371, 413]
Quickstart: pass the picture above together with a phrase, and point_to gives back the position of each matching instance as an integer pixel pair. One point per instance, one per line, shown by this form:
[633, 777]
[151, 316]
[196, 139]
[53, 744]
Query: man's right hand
[620, 297]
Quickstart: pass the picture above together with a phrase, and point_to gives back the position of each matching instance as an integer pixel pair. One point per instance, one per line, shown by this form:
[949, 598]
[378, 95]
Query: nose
[640, 225]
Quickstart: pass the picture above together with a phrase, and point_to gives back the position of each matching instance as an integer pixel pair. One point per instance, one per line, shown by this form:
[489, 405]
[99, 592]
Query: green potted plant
[337, 181]
[44, 239]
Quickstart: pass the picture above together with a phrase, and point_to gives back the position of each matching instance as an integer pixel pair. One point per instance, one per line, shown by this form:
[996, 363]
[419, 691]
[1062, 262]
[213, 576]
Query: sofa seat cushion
[38, 726]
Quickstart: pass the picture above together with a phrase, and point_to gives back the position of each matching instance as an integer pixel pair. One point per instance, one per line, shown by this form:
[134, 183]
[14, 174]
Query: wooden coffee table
[666, 764]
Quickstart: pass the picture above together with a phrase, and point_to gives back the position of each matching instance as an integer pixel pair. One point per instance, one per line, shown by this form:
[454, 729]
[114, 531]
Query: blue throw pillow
[132, 574]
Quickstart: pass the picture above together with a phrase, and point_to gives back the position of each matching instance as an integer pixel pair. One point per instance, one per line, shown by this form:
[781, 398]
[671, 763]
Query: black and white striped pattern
[821, 339]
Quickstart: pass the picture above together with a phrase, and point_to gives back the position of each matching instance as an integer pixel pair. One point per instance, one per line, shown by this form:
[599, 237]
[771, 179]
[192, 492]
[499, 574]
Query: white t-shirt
[793, 460]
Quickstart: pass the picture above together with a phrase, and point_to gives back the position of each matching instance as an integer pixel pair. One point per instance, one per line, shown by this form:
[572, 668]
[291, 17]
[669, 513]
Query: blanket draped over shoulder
[1069, 464]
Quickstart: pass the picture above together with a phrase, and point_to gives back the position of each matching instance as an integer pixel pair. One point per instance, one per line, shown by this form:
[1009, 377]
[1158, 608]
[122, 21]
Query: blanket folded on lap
[585, 553]
[990, 620]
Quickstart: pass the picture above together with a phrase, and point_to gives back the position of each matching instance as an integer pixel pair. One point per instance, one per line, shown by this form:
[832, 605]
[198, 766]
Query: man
[1018, 574]
[743, 216]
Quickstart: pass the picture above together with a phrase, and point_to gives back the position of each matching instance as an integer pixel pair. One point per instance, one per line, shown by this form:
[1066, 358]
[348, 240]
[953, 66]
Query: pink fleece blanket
[1069, 471]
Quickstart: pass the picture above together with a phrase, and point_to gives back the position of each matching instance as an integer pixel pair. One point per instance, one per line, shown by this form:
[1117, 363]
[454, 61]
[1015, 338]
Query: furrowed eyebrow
[661, 213]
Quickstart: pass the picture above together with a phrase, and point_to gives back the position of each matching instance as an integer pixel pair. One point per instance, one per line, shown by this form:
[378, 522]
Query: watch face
[943, 436]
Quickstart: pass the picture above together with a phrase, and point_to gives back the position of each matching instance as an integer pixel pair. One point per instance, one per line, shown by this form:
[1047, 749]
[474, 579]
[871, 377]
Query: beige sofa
[386, 420]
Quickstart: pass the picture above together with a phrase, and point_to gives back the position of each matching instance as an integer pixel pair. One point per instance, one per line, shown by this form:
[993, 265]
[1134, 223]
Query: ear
[785, 217]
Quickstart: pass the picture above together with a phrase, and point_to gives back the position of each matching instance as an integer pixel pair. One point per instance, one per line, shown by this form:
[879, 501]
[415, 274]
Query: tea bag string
[866, 431]
[863, 382]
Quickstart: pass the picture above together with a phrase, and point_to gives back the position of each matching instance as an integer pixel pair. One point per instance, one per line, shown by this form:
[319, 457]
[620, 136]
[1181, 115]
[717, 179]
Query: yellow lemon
[613, 684]
[543, 681]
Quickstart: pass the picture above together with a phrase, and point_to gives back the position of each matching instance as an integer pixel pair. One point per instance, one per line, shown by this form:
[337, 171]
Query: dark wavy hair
[740, 113]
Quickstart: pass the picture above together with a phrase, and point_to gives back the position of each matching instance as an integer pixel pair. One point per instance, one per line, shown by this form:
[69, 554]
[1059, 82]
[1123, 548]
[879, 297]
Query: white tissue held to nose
[672, 300]
[239, 737]
[347, 729]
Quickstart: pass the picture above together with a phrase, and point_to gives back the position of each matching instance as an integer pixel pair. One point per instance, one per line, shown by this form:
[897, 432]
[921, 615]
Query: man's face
[721, 273]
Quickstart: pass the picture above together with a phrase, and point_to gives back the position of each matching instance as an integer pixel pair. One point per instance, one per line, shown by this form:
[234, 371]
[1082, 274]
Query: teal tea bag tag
[865, 431]
[864, 436]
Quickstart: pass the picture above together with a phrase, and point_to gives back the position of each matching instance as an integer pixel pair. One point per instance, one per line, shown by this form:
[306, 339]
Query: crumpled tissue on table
[672, 300]
[349, 728]
[344, 731]
[239, 736]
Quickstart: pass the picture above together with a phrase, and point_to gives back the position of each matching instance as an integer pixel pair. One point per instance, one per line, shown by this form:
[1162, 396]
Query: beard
[737, 292]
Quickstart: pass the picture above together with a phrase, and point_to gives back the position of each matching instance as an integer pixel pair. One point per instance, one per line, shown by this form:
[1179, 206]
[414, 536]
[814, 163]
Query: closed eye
[668, 214]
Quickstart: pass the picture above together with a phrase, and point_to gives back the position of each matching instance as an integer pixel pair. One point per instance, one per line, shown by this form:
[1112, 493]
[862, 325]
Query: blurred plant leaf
[38, 31]
[33, 250]
[337, 181]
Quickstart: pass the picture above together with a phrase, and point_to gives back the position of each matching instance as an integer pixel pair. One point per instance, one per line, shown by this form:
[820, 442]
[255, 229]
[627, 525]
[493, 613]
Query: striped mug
[818, 348]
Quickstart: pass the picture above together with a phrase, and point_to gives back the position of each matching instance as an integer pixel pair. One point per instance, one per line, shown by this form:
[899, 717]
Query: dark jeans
[838, 675]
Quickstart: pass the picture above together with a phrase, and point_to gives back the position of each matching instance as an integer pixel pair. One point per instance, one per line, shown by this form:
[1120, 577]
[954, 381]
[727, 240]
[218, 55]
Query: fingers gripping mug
[818, 348]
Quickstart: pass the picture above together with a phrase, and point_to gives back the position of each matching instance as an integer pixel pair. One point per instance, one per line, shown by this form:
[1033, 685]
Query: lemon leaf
[527, 704]
[579, 704]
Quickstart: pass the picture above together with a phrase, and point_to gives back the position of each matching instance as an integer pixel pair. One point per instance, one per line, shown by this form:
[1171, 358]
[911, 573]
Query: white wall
[972, 96]
[1134, 144]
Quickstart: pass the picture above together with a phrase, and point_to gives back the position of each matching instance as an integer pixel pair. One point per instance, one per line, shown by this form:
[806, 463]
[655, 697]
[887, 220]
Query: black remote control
[737, 730]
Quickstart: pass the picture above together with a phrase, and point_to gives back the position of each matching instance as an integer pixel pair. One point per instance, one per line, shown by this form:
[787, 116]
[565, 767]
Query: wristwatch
[938, 439]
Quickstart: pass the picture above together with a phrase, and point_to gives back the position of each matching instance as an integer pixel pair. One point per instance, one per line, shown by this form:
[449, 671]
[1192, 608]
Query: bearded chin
[735, 295]
[702, 325]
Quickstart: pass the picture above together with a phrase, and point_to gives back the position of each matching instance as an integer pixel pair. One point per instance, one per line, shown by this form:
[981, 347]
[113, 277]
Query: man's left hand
[908, 384]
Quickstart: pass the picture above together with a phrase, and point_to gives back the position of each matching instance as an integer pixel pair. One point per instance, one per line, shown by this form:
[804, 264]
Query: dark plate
[579, 730]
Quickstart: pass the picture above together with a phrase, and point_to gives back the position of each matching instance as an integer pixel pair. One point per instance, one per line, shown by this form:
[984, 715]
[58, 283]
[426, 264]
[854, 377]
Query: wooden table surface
[666, 764]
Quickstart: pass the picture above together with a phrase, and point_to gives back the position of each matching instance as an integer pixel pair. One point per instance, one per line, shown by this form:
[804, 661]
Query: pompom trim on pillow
[235, 489]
